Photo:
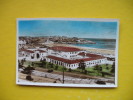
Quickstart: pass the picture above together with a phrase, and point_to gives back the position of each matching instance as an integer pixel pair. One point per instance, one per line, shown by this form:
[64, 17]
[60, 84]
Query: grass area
[105, 68]
[39, 64]
[89, 70]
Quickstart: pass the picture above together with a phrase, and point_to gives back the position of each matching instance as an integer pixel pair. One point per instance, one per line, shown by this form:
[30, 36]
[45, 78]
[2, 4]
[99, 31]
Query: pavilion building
[69, 57]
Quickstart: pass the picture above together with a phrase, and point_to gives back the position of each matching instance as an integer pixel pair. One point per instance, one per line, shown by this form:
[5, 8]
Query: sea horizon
[100, 43]
[108, 44]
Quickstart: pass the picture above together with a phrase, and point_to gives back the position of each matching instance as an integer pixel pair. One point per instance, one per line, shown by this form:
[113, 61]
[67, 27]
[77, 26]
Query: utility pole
[63, 73]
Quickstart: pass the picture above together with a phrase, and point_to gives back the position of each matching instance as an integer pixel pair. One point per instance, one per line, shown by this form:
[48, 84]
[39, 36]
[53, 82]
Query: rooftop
[30, 51]
[73, 61]
[65, 49]
[89, 55]
[40, 51]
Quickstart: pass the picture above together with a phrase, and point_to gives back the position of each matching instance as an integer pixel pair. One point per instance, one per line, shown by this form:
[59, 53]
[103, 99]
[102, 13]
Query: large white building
[64, 52]
[33, 54]
[68, 57]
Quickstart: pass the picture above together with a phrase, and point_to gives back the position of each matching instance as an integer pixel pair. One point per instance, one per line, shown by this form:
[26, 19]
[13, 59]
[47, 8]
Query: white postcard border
[71, 85]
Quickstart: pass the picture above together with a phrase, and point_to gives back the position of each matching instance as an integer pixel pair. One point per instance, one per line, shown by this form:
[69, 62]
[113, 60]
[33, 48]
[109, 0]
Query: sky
[80, 29]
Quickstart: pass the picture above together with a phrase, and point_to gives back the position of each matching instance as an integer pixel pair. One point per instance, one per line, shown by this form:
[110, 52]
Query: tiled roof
[65, 49]
[73, 61]
[40, 51]
[89, 54]
[30, 51]
[27, 50]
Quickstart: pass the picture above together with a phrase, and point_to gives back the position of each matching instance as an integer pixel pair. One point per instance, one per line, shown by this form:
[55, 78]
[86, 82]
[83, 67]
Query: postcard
[67, 52]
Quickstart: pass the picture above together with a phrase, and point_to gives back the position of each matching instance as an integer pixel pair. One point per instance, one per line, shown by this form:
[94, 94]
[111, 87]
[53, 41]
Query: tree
[107, 64]
[44, 64]
[69, 69]
[107, 68]
[28, 70]
[20, 65]
[64, 68]
[41, 60]
[22, 62]
[50, 65]
[32, 64]
[56, 67]
[85, 72]
[100, 69]
[82, 65]
[113, 68]
[96, 67]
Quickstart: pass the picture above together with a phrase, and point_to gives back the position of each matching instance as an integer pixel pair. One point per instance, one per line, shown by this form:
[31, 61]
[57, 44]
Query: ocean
[109, 44]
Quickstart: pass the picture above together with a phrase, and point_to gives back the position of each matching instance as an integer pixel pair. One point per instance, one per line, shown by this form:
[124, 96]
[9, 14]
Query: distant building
[21, 43]
[48, 42]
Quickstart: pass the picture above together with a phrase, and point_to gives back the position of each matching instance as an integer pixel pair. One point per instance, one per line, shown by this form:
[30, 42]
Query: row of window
[74, 65]
[72, 52]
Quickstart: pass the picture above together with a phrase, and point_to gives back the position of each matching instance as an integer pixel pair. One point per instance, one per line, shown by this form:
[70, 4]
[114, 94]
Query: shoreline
[89, 49]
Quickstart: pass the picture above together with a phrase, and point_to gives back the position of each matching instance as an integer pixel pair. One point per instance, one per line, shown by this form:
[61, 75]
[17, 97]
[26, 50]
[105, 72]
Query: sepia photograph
[67, 52]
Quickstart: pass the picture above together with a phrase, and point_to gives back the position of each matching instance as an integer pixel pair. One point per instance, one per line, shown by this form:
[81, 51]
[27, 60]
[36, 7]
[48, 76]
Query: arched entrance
[37, 55]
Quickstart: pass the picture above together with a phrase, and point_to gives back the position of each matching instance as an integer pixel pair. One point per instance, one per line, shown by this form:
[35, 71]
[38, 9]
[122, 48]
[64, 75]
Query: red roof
[73, 61]
[89, 54]
[27, 50]
[30, 51]
[66, 49]
[40, 51]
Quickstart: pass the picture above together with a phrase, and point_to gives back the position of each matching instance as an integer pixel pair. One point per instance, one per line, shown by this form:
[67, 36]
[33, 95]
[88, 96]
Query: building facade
[68, 57]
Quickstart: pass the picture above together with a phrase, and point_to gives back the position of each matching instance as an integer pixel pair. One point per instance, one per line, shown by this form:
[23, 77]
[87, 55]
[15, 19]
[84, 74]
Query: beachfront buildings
[33, 54]
[69, 57]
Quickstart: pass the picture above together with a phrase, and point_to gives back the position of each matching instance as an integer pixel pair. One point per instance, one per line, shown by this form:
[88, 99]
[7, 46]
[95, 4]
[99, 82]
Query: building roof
[41, 51]
[65, 49]
[89, 54]
[73, 61]
[30, 51]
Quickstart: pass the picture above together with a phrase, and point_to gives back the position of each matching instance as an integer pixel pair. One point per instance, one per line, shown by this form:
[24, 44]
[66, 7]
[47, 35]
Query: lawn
[105, 68]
